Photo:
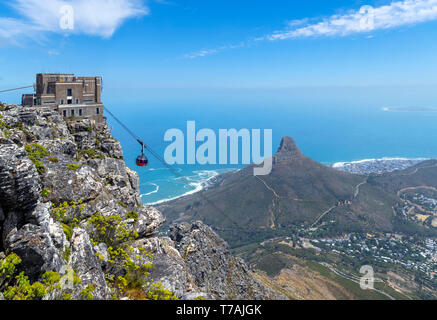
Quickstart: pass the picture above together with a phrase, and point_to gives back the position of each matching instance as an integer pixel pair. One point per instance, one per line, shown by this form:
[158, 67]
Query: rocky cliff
[72, 225]
[214, 269]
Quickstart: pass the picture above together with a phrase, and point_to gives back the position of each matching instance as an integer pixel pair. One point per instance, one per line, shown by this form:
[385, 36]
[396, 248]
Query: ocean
[328, 125]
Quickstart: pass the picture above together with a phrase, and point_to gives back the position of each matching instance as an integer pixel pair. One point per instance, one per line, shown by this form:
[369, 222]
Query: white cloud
[91, 17]
[202, 53]
[299, 22]
[14, 31]
[207, 52]
[365, 20]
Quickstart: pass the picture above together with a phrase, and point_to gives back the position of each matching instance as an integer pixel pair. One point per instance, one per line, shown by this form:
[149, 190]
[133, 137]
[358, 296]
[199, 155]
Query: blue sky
[233, 44]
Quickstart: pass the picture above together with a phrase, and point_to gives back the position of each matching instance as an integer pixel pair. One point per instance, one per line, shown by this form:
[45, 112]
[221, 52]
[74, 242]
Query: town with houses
[412, 253]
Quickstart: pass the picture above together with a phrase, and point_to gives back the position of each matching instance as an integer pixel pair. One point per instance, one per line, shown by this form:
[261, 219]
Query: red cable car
[142, 160]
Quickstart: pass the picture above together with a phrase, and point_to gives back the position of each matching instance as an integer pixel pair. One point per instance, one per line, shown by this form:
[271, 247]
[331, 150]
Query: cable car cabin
[142, 161]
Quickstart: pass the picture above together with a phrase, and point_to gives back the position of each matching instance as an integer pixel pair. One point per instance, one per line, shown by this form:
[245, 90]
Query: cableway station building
[71, 96]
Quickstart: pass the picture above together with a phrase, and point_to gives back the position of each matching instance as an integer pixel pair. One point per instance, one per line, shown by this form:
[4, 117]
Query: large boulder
[149, 221]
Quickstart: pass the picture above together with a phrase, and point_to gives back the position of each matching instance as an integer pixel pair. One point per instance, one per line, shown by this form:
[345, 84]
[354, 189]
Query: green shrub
[157, 292]
[87, 293]
[50, 278]
[18, 287]
[66, 254]
[53, 159]
[66, 296]
[68, 223]
[73, 166]
[68, 230]
[40, 167]
[122, 204]
[69, 226]
[4, 126]
[23, 290]
[8, 268]
[36, 153]
[45, 192]
[136, 274]
[91, 153]
[132, 215]
[111, 229]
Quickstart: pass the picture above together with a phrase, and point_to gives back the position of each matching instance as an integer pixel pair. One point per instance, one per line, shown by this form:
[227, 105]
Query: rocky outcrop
[20, 186]
[54, 176]
[168, 266]
[69, 204]
[214, 269]
[87, 266]
[288, 151]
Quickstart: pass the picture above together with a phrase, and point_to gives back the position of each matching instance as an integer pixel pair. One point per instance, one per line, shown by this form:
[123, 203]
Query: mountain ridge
[298, 192]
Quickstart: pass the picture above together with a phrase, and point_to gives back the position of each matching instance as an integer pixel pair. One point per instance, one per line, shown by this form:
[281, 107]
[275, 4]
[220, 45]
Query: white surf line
[198, 186]
[151, 192]
[346, 163]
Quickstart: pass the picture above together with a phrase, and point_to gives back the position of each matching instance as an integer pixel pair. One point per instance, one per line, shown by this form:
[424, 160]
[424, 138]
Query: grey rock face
[41, 217]
[133, 179]
[113, 148]
[27, 116]
[71, 185]
[169, 267]
[20, 185]
[36, 249]
[288, 151]
[149, 222]
[214, 269]
[87, 266]
[64, 147]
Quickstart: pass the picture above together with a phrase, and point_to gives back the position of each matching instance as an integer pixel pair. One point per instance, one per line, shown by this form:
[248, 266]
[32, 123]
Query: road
[357, 188]
[341, 274]
[322, 215]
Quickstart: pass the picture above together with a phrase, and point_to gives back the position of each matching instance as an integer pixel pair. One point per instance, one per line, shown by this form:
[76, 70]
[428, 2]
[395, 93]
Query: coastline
[342, 163]
[198, 186]
[371, 165]
[377, 166]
